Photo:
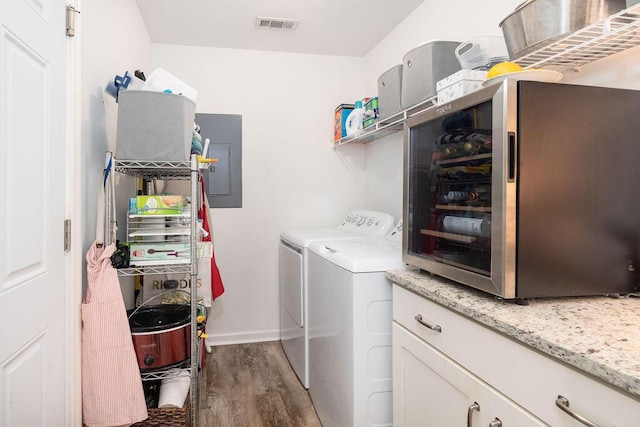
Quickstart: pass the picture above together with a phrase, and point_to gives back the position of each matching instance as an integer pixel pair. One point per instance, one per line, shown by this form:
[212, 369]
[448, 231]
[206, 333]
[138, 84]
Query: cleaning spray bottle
[354, 121]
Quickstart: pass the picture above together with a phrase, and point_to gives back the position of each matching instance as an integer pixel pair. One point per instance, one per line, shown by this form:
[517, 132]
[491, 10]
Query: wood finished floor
[253, 385]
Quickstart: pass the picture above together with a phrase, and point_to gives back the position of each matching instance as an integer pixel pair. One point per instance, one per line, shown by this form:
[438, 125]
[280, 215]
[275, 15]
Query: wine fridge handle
[563, 403]
[473, 407]
[436, 328]
[512, 157]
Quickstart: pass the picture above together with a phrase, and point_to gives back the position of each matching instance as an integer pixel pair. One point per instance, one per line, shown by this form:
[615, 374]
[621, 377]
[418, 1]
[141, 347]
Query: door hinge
[71, 21]
[67, 235]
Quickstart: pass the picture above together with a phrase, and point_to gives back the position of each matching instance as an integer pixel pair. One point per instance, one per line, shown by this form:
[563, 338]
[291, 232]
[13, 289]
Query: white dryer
[294, 317]
[350, 317]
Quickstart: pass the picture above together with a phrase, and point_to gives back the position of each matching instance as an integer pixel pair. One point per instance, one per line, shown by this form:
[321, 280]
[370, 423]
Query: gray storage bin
[423, 66]
[389, 92]
[154, 126]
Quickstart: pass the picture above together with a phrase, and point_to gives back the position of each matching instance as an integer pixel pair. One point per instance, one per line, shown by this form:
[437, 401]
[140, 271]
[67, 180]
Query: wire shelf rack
[615, 34]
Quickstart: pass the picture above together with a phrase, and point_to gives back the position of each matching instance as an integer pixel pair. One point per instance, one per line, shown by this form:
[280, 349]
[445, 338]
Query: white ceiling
[327, 27]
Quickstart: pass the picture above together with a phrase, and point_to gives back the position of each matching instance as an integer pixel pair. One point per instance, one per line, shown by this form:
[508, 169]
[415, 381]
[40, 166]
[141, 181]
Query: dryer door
[291, 287]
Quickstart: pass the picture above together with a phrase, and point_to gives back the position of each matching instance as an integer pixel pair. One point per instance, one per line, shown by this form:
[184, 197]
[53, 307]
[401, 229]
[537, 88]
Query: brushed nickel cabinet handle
[436, 328]
[474, 407]
[563, 403]
[495, 423]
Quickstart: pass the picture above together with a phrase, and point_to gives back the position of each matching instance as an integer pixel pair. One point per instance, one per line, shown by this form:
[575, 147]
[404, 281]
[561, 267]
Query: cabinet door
[429, 389]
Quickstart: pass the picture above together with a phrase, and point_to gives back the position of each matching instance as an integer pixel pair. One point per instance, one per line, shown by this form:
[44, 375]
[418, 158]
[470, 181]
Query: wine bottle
[465, 225]
[474, 195]
[468, 148]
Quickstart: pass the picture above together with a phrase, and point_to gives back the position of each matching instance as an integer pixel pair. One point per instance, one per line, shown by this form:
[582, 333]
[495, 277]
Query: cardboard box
[159, 253]
[340, 119]
[458, 90]
[154, 284]
[471, 75]
[459, 84]
[159, 205]
[371, 111]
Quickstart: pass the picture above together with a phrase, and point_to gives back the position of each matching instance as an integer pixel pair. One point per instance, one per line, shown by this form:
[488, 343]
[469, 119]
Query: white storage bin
[423, 66]
[154, 126]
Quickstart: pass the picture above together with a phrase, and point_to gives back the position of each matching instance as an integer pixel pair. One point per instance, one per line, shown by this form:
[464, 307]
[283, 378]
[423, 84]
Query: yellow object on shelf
[503, 68]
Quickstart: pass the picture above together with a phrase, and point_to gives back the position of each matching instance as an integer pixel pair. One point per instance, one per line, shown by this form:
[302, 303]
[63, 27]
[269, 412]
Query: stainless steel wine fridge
[527, 189]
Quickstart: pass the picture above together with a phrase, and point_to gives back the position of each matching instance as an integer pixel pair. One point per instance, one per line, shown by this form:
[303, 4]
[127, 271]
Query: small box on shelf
[159, 205]
[340, 119]
[459, 84]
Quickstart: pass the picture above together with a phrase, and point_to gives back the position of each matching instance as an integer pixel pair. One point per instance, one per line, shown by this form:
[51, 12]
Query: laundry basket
[168, 417]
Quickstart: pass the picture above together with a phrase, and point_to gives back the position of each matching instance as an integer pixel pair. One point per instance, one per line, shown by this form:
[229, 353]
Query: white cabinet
[439, 371]
[430, 389]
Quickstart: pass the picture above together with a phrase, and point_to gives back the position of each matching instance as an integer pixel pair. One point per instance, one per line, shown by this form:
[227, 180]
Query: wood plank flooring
[253, 385]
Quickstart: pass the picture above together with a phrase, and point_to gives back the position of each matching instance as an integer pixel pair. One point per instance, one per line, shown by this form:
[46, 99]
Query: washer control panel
[367, 223]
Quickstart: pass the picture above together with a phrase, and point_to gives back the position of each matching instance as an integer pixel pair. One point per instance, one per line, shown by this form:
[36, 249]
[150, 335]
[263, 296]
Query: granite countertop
[598, 335]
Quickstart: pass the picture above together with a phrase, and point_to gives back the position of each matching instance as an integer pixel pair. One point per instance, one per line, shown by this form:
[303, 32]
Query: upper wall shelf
[387, 126]
[615, 34]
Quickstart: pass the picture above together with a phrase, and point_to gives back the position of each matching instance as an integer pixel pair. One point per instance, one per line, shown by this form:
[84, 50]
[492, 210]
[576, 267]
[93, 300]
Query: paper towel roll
[174, 390]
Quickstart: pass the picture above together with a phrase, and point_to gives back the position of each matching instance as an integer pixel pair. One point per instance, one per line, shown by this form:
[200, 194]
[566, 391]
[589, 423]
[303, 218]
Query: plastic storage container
[154, 126]
[353, 124]
[160, 80]
[423, 66]
[389, 92]
[481, 53]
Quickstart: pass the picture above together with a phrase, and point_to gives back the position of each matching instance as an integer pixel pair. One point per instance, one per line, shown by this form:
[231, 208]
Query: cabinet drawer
[530, 378]
[430, 386]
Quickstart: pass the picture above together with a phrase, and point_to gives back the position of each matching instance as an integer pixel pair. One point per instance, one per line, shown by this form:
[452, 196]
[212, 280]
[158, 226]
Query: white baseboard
[243, 338]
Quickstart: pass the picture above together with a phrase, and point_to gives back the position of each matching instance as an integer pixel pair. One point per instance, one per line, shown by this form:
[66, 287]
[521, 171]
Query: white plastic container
[482, 52]
[160, 80]
[354, 120]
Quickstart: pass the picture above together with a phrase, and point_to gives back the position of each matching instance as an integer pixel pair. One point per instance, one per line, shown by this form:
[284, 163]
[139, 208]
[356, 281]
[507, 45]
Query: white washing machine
[294, 317]
[350, 316]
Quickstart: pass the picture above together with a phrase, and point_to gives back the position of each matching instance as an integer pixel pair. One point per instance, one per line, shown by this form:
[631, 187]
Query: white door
[33, 307]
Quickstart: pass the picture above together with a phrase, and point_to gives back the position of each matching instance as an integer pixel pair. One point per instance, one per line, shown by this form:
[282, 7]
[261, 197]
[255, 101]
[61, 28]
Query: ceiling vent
[277, 23]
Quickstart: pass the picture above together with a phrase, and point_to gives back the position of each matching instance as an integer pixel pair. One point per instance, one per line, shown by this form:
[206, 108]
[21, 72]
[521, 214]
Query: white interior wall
[458, 20]
[292, 178]
[621, 70]
[114, 39]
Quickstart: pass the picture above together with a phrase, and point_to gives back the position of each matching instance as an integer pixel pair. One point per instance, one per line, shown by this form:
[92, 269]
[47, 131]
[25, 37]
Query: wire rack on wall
[615, 34]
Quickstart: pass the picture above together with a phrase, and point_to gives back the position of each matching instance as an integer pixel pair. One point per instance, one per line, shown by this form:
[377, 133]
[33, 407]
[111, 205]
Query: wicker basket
[168, 417]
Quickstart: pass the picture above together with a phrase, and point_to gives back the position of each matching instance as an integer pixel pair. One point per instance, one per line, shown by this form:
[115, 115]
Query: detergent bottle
[354, 121]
